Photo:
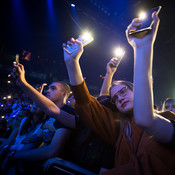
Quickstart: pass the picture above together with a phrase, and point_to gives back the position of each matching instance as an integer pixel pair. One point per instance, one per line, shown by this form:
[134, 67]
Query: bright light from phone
[4, 98]
[87, 36]
[9, 82]
[2, 116]
[9, 75]
[9, 96]
[142, 15]
[119, 52]
[72, 5]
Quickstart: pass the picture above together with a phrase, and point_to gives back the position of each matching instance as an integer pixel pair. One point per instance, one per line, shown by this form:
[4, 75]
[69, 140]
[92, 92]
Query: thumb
[79, 43]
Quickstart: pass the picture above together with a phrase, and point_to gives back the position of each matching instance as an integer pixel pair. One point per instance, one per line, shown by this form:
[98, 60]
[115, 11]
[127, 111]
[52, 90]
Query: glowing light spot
[86, 36]
[119, 52]
[142, 15]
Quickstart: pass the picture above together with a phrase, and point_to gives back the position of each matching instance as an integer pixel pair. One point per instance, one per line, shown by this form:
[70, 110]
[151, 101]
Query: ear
[64, 94]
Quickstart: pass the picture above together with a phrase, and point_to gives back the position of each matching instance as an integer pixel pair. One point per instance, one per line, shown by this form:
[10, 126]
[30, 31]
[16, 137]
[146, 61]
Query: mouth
[123, 105]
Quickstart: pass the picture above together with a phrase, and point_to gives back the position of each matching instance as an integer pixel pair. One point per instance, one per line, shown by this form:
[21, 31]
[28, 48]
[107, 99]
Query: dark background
[41, 26]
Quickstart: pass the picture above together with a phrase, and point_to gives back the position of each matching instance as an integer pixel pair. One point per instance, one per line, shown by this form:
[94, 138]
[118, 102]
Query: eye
[123, 91]
[52, 88]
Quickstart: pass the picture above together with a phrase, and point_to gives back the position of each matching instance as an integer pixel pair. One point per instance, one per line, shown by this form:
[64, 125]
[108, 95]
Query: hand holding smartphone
[146, 21]
[16, 62]
[84, 39]
[116, 62]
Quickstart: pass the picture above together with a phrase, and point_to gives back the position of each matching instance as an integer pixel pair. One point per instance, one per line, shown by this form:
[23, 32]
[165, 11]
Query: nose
[120, 98]
[48, 90]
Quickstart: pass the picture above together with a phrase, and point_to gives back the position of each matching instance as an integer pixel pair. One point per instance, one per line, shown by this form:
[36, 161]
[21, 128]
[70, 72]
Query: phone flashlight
[85, 39]
[119, 52]
[146, 21]
[142, 15]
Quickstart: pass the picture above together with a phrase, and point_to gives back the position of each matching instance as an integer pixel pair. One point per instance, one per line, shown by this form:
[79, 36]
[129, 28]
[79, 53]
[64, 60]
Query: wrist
[21, 83]
[144, 46]
[72, 62]
[109, 73]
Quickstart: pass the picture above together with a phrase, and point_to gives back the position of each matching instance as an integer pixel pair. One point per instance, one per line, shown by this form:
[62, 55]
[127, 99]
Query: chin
[128, 110]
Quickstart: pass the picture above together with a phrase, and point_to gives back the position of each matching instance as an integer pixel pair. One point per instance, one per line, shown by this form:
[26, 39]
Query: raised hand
[18, 74]
[112, 65]
[148, 37]
[75, 56]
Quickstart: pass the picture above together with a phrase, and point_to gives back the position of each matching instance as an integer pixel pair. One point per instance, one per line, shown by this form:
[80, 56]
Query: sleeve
[171, 116]
[99, 118]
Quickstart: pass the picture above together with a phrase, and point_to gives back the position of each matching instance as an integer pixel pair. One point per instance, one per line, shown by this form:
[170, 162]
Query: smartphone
[147, 21]
[17, 59]
[85, 39]
[118, 60]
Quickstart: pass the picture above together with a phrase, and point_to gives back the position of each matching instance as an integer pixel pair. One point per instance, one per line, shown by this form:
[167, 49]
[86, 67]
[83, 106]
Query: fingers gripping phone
[84, 39]
[146, 20]
[118, 60]
[15, 73]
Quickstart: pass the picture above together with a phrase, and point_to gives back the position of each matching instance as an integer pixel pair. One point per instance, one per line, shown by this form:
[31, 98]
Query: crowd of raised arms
[69, 131]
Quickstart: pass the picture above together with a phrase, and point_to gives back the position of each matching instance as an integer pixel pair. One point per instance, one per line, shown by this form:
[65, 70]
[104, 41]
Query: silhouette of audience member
[71, 100]
[3, 128]
[57, 95]
[60, 118]
[29, 136]
[169, 105]
[84, 150]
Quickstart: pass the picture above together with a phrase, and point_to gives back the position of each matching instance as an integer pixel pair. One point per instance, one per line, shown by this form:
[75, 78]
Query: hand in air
[148, 37]
[74, 56]
[112, 65]
[18, 73]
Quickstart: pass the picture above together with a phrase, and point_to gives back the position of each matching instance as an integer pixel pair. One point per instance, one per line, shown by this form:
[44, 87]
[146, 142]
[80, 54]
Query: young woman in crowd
[143, 139]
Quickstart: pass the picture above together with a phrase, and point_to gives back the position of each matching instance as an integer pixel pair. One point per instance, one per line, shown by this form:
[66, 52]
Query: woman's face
[122, 96]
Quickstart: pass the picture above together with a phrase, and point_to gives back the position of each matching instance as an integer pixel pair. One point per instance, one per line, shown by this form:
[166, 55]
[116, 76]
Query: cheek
[131, 97]
[117, 106]
[54, 94]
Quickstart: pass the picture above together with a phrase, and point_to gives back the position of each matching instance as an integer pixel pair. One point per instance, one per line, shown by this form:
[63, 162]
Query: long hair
[123, 120]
